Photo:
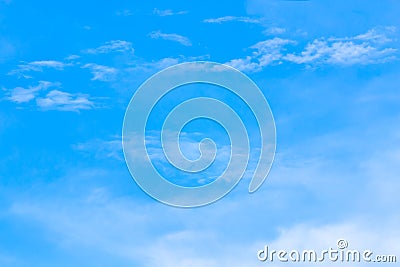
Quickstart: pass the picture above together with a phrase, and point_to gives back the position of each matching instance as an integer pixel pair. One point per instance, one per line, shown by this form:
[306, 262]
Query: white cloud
[53, 100]
[362, 49]
[102, 149]
[159, 64]
[379, 35]
[245, 64]
[47, 64]
[112, 46]
[170, 37]
[231, 231]
[274, 31]
[38, 66]
[72, 57]
[58, 100]
[341, 53]
[7, 49]
[101, 73]
[312, 51]
[22, 95]
[165, 62]
[80, 214]
[233, 18]
[264, 53]
[360, 235]
[125, 13]
[167, 12]
[270, 46]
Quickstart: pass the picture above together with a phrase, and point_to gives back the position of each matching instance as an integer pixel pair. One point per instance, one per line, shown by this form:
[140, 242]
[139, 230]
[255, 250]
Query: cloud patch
[63, 101]
[38, 66]
[53, 100]
[167, 12]
[24, 95]
[112, 47]
[371, 47]
[102, 149]
[101, 73]
[233, 19]
[170, 37]
[264, 53]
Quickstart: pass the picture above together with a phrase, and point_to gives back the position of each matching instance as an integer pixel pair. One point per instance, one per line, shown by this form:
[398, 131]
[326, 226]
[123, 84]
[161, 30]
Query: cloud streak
[233, 19]
[102, 149]
[264, 53]
[112, 47]
[53, 100]
[363, 49]
[38, 66]
[170, 37]
[63, 101]
[167, 12]
[101, 73]
[23, 95]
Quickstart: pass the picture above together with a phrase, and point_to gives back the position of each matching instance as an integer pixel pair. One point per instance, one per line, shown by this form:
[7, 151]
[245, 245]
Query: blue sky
[330, 72]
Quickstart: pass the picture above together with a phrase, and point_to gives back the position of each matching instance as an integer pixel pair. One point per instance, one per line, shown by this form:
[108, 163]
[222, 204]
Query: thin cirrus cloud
[7, 49]
[101, 72]
[264, 53]
[23, 95]
[53, 100]
[72, 57]
[112, 46]
[379, 35]
[63, 101]
[103, 149]
[167, 12]
[38, 66]
[233, 18]
[362, 49]
[341, 53]
[151, 66]
[171, 37]
[124, 13]
[274, 31]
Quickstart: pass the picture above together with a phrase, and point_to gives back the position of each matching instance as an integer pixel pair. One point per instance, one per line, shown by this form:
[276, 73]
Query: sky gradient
[329, 70]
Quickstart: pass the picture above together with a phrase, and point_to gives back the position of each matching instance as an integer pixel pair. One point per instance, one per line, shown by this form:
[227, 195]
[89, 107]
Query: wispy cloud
[379, 35]
[72, 57]
[368, 48]
[274, 31]
[167, 12]
[341, 53]
[88, 209]
[112, 46]
[53, 100]
[233, 18]
[124, 13]
[164, 63]
[102, 149]
[23, 95]
[38, 66]
[7, 49]
[170, 37]
[63, 101]
[101, 73]
[264, 53]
